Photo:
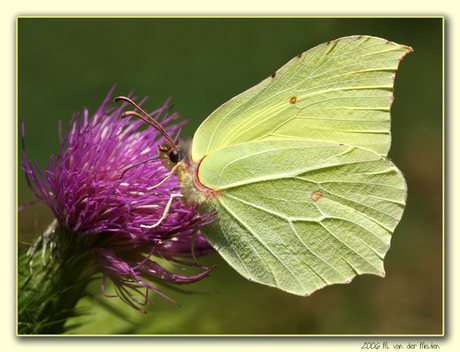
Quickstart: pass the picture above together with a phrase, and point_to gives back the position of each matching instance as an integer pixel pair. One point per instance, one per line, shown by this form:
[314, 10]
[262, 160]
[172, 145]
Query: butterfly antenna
[151, 122]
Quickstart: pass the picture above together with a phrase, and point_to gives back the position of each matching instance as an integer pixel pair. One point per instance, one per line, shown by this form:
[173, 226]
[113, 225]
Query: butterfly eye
[174, 156]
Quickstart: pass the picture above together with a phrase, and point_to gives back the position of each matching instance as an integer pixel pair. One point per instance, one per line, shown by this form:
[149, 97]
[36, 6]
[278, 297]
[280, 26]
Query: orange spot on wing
[316, 195]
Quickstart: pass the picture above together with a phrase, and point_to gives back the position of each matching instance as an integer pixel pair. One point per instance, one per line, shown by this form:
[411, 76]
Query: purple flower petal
[98, 186]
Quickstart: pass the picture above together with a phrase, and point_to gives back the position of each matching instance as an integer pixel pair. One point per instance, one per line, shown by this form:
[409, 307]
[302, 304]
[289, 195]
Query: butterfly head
[170, 154]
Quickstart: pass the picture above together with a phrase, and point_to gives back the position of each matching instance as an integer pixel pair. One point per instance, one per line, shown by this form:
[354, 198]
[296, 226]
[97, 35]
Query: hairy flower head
[99, 187]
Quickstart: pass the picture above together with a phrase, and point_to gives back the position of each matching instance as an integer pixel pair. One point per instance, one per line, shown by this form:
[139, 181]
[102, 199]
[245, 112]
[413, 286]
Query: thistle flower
[99, 187]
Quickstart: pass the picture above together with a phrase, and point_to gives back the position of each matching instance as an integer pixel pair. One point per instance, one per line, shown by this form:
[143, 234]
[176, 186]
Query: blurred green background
[66, 64]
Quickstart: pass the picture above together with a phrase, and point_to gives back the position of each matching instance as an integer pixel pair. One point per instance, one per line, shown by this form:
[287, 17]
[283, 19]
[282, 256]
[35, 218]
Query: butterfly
[297, 170]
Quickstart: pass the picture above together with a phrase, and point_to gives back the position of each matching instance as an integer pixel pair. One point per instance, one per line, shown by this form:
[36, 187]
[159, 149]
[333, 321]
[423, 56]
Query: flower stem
[52, 276]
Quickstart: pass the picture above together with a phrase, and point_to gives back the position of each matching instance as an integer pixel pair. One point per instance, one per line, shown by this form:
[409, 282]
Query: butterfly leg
[165, 213]
[166, 178]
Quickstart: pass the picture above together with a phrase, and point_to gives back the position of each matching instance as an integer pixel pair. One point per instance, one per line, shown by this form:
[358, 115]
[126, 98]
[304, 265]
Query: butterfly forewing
[339, 91]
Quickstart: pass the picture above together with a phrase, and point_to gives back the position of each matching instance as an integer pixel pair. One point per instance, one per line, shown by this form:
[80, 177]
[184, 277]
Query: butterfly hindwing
[300, 215]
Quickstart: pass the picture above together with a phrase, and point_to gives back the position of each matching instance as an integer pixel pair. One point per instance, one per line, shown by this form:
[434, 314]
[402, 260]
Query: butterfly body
[297, 170]
[304, 193]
